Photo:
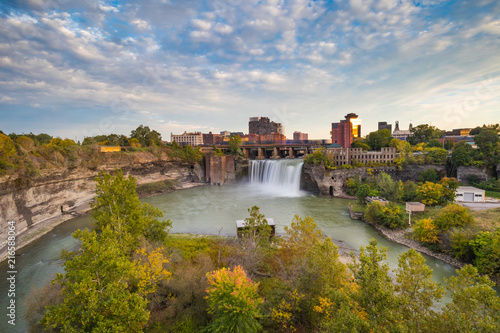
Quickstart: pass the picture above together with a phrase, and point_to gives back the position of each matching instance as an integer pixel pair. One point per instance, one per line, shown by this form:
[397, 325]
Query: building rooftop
[469, 188]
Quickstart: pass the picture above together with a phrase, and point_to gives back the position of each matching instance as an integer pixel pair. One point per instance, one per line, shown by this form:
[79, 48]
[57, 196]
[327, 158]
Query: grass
[487, 220]
[156, 187]
[493, 194]
[192, 245]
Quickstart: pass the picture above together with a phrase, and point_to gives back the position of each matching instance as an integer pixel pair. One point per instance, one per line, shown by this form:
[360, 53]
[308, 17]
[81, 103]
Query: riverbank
[43, 227]
[400, 237]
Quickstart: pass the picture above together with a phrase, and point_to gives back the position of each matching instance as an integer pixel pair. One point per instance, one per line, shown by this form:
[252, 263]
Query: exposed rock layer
[59, 194]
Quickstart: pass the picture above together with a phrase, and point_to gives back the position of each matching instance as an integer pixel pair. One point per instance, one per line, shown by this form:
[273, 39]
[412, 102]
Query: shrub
[233, 301]
[392, 216]
[409, 191]
[372, 211]
[26, 143]
[431, 194]
[425, 231]
[453, 216]
[319, 157]
[486, 248]
[352, 185]
[461, 247]
[429, 175]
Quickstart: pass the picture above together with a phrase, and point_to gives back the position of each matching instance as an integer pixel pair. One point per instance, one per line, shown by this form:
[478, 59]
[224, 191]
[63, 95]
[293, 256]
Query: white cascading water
[280, 177]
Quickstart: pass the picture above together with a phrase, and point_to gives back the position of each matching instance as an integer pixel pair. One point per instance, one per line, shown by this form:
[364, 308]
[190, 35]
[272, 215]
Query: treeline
[27, 154]
[449, 228]
[129, 276]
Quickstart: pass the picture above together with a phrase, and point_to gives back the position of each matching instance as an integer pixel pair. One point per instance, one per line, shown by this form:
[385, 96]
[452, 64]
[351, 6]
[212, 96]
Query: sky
[77, 68]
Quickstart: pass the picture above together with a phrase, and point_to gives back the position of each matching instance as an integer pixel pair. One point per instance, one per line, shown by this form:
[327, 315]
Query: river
[205, 210]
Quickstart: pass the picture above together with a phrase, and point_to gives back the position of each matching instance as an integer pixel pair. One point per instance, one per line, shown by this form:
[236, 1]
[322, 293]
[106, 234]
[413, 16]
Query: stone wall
[463, 174]
[220, 169]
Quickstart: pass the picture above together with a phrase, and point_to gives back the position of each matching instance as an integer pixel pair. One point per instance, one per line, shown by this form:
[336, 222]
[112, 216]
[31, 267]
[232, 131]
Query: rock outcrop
[59, 194]
[464, 173]
[317, 179]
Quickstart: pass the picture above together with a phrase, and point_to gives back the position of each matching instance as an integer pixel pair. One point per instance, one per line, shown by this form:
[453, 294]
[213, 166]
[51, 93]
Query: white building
[402, 134]
[192, 139]
[470, 194]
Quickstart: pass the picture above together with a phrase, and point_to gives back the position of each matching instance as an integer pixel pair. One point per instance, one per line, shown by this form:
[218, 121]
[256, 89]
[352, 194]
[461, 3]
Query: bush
[461, 247]
[486, 248]
[429, 175]
[409, 191]
[372, 211]
[431, 194]
[453, 216]
[392, 216]
[319, 157]
[425, 231]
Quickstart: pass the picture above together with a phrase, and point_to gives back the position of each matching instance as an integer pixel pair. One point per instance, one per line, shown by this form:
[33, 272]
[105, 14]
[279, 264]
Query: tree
[364, 190]
[449, 144]
[233, 301]
[434, 143]
[359, 143]
[378, 139]
[475, 306]
[7, 147]
[146, 136]
[376, 291]
[435, 155]
[424, 133]
[453, 216]
[429, 175]
[425, 231]
[389, 189]
[96, 290]
[486, 247]
[487, 140]
[117, 205]
[430, 193]
[26, 143]
[416, 291]
[234, 145]
[450, 186]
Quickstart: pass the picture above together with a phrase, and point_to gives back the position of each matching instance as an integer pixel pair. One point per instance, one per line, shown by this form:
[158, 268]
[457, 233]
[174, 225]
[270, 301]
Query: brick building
[212, 139]
[345, 131]
[263, 125]
[299, 136]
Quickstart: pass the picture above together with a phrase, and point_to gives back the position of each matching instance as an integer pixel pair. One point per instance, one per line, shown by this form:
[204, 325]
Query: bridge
[271, 150]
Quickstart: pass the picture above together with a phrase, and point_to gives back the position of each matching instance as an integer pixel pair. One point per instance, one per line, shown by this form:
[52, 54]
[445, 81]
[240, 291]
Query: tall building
[212, 139]
[384, 125]
[192, 139]
[263, 125]
[299, 136]
[345, 131]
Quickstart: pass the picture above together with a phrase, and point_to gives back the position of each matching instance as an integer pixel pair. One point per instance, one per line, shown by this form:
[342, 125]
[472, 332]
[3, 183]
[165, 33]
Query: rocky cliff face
[464, 173]
[325, 182]
[58, 193]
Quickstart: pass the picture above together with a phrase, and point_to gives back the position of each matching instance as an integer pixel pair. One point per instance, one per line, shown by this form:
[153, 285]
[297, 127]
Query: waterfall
[280, 177]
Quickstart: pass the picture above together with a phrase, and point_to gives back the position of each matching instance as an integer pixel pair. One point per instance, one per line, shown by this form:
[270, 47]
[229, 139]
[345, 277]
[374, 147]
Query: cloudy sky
[76, 68]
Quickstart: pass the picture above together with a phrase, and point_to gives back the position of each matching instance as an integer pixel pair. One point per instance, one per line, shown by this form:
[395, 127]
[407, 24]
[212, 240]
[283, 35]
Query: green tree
[117, 205]
[449, 144]
[96, 290]
[234, 145]
[257, 228]
[424, 133]
[486, 247]
[487, 140]
[376, 290]
[388, 188]
[435, 155]
[429, 175]
[434, 143]
[378, 139]
[453, 215]
[474, 307]
[450, 186]
[233, 301]
[409, 191]
[416, 291]
[146, 136]
[364, 190]
[360, 143]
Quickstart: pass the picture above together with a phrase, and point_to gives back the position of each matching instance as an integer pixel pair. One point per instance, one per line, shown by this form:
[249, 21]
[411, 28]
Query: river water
[205, 210]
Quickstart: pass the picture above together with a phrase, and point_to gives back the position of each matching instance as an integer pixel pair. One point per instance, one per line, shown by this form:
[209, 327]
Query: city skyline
[74, 68]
